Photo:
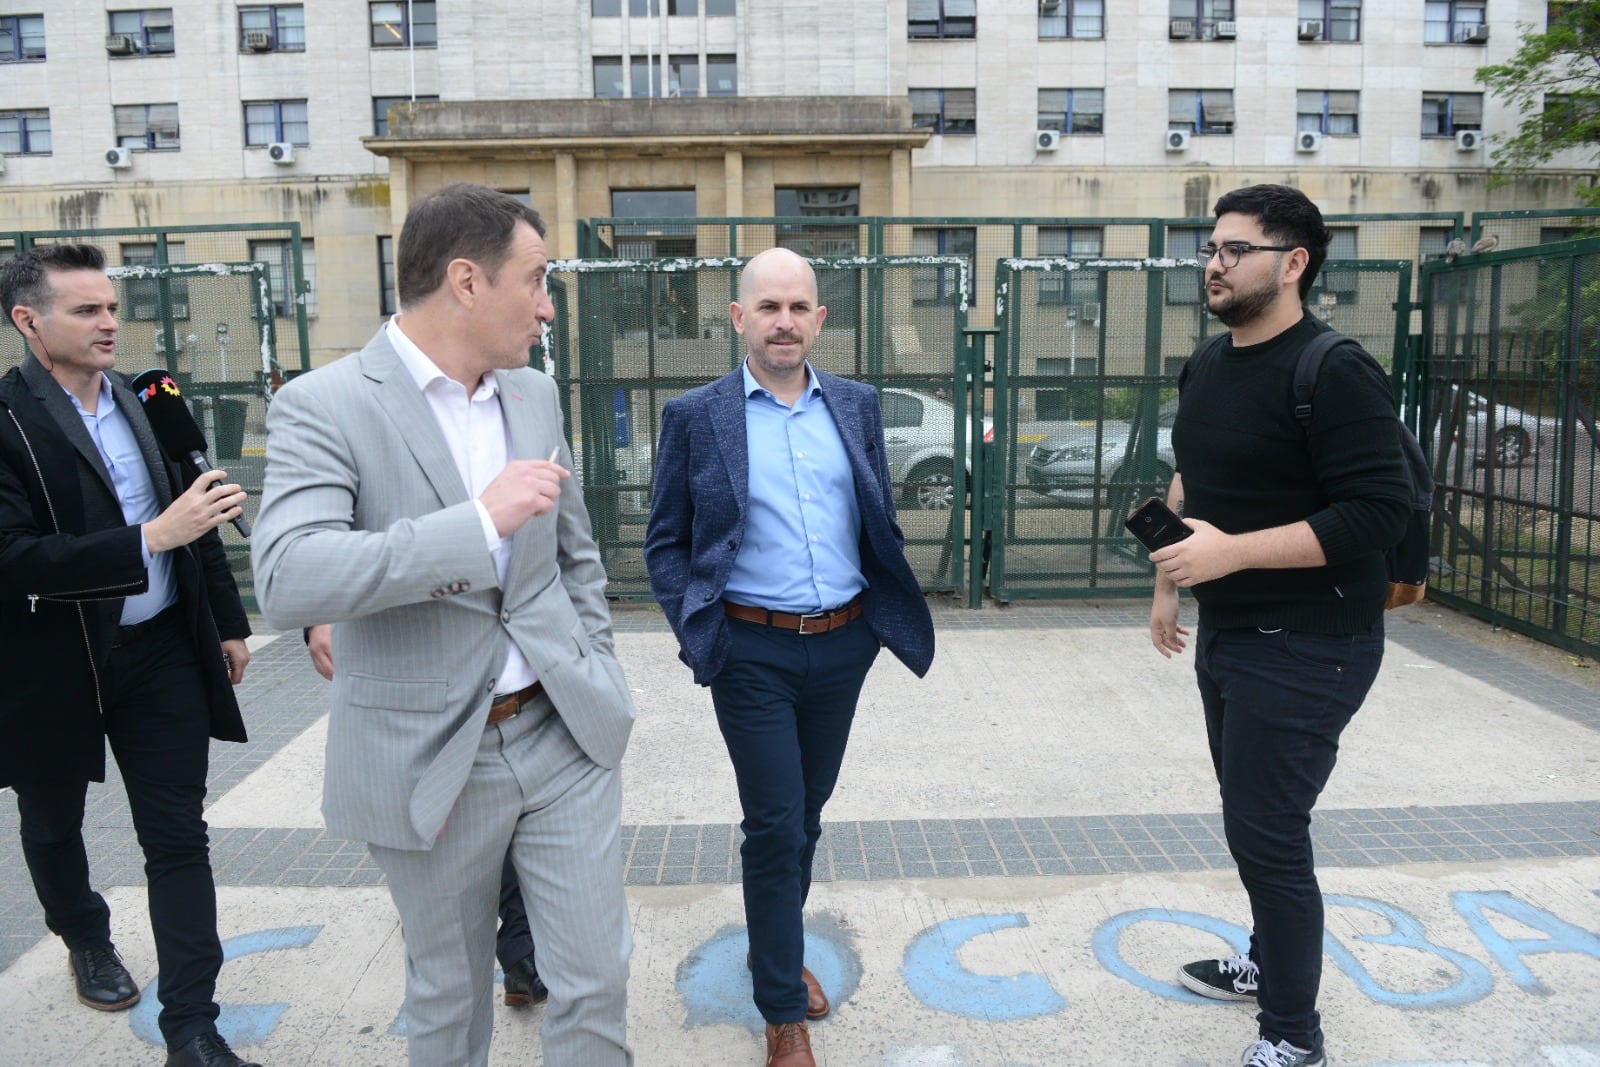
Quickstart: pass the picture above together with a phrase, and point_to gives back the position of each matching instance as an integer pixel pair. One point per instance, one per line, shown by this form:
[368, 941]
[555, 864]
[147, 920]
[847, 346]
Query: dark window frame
[381, 106]
[1324, 111]
[943, 26]
[18, 52]
[149, 141]
[278, 123]
[1456, 27]
[1065, 121]
[143, 45]
[388, 301]
[1198, 125]
[399, 34]
[1205, 14]
[1448, 115]
[1061, 289]
[942, 125]
[275, 27]
[1326, 10]
[26, 132]
[1067, 16]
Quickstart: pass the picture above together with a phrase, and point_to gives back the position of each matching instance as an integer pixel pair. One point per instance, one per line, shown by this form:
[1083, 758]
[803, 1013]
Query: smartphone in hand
[1156, 525]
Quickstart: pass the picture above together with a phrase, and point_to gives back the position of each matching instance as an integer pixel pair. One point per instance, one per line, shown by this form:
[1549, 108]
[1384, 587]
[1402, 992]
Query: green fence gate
[1084, 395]
[646, 330]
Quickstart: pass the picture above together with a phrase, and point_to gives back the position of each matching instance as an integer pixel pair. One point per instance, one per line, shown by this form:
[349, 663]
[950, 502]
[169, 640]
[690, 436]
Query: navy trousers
[1275, 703]
[158, 723]
[513, 942]
[785, 702]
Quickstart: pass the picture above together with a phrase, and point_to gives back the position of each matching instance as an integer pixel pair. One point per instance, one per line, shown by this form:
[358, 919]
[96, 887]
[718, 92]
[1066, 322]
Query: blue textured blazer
[698, 509]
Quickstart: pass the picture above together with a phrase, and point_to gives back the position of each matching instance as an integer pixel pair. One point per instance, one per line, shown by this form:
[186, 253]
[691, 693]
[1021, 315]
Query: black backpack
[1407, 561]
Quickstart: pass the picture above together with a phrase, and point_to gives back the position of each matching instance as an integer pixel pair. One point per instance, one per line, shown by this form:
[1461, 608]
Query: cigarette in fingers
[554, 452]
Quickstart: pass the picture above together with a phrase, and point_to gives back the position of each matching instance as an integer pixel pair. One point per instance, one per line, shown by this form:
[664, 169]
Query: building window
[1200, 111]
[1444, 114]
[722, 76]
[1186, 286]
[1203, 18]
[386, 291]
[941, 19]
[1452, 21]
[141, 33]
[1563, 113]
[21, 38]
[272, 28]
[25, 133]
[271, 121]
[390, 28]
[942, 285]
[1076, 19]
[278, 256]
[152, 127]
[608, 77]
[1432, 241]
[382, 104]
[836, 289]
[683, 76]
[1072, 110]
[952, 111]
[142, 296]
[645, 78]
[1332, 20]
[1335, 112]
[1078, 287]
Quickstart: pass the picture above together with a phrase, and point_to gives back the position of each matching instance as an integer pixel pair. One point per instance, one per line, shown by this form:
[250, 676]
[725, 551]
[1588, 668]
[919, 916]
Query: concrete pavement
[1021, 850]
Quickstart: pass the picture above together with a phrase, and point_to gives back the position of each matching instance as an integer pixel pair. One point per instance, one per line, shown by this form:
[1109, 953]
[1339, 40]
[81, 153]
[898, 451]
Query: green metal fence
[646, 330]
[1084, 406]
[1508, 387]
[1523, 229]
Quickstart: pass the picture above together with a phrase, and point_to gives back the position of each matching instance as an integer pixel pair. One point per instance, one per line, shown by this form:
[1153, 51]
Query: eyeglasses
[1231, 251]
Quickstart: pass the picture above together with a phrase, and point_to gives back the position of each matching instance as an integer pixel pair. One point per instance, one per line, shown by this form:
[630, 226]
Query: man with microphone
[121, 622]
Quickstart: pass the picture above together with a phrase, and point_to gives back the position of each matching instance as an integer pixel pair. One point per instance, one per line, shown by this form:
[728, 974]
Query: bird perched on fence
[1454, 249]
[1486, 244]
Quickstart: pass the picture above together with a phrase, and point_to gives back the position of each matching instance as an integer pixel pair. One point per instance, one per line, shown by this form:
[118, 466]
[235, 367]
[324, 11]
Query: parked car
[1080, 465]
[1516, 436]
[920, 432]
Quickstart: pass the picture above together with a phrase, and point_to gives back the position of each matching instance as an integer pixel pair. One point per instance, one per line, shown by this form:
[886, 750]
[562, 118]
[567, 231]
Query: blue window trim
[17, 55]
[277, 122]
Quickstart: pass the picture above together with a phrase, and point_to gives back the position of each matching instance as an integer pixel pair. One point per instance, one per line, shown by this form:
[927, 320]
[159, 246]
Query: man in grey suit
[414, 498]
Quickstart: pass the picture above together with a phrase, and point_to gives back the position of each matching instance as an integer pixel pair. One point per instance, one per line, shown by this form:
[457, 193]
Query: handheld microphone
[174, 423]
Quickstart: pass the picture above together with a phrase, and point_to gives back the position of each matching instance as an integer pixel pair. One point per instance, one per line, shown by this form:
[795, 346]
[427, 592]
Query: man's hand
[1204, 555]
[236, 654]
[319, 641]
[1165, 633]
[203, 507]
[525, 488]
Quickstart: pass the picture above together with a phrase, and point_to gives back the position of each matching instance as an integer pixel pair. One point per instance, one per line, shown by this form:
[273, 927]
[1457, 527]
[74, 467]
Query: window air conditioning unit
[1307, 141]
[120, 44]
[1046, 140]
[1311, 31]
[119, 158]
[1178, 29]
[281, 153]
[1177, 140]
[1469, 140]
[1049, 7]
[1476, 34]
[1226, 31]
[258, 40]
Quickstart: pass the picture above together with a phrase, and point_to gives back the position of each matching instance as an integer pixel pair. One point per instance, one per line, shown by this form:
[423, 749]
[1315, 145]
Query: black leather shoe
[207, 1050]
[523, 984]
[103, 982]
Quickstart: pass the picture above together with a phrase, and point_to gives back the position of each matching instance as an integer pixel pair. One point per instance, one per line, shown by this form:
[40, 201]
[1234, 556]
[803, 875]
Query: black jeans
[158, 722]
[785, 702]
[513, 941]
[1275, 704]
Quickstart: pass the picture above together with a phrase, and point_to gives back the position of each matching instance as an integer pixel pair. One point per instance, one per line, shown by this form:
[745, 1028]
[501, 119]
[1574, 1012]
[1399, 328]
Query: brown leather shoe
[789, 1045]
[816, 1000]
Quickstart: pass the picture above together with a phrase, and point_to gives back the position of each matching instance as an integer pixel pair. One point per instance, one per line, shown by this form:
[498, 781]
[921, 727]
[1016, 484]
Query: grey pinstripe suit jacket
[365, 523]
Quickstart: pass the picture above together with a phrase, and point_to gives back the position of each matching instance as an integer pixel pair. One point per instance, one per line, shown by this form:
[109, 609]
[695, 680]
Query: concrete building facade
[336, 113]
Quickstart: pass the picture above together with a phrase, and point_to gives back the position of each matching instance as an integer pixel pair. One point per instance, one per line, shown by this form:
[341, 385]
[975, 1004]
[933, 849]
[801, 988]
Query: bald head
[775, 264]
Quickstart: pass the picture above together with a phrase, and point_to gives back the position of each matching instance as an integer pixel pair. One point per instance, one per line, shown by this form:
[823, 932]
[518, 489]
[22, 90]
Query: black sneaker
[103, 983]
[1264, 1053]
[1231, 978]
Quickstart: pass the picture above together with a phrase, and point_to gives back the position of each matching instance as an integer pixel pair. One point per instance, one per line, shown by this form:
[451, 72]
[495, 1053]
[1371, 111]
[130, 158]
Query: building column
[399, 191]
[733, 184]
[565, 223]
[900, 182]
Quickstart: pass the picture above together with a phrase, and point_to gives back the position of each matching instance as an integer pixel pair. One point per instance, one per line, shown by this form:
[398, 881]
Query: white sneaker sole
[1190, 982]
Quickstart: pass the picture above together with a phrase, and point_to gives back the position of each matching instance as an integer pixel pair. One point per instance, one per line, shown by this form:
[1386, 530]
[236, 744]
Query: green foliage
[1553, 82]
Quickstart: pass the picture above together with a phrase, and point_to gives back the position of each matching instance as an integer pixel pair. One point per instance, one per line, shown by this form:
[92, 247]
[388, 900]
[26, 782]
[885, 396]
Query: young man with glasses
[1286, 563]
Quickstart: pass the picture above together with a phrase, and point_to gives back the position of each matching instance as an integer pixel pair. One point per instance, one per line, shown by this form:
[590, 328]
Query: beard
[1239, 307]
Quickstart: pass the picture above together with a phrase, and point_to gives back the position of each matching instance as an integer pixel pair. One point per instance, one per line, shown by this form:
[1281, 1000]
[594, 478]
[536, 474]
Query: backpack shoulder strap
[1307, 368]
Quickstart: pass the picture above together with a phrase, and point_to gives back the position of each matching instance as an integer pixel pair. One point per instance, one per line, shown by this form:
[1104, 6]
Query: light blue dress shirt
[802, 537]
[119, 450]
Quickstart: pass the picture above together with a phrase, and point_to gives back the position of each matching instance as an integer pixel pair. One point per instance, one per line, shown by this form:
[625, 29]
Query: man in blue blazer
[774, 552]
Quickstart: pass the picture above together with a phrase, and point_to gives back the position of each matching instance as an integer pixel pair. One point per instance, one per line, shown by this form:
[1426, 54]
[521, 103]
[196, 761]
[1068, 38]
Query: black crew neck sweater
[1247, 464]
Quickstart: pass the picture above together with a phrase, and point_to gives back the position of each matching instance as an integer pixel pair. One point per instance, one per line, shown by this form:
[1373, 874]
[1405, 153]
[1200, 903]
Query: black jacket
[62, 586]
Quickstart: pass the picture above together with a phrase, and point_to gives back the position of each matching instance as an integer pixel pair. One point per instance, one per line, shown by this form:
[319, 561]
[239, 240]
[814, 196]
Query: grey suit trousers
[531, 789]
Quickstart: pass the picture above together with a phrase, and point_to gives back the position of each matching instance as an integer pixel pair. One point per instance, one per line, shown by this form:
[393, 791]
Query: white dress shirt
[475, 429]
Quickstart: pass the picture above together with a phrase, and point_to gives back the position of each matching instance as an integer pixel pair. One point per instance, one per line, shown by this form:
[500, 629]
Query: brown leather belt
[507, 706]
[819, 623]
